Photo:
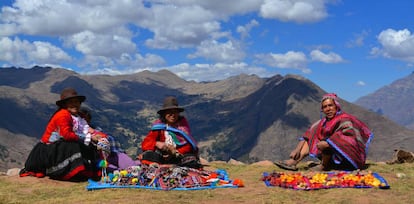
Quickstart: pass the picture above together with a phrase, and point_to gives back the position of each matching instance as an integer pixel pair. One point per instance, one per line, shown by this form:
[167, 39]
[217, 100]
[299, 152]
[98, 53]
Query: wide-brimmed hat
[170, 102]
[67, 94]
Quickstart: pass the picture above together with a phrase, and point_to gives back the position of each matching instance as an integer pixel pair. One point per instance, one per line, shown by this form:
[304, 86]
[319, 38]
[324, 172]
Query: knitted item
[103, 145]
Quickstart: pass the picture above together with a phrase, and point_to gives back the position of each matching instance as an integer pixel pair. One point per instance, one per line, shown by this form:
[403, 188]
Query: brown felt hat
[170, 102]
[67, 94]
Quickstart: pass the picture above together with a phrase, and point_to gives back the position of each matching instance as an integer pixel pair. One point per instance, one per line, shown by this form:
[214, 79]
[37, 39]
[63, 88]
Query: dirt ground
[44, 190]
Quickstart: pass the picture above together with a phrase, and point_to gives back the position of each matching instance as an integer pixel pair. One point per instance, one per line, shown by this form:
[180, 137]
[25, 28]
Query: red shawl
[345, 133]
[188, 145]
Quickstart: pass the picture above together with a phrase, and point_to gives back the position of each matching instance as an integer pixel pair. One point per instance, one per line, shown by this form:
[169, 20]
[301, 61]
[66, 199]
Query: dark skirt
[62, 160]
[186, 160]
[337, 162]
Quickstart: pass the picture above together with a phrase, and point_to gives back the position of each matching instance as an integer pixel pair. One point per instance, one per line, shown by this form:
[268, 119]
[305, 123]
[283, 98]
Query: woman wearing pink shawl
[339, 140]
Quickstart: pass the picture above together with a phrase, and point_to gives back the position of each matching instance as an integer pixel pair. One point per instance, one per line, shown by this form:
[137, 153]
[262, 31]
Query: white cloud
[22, 52]
[196, 72]
[175, 24]
[289, 60]
[187, 23]
[125, 63]
[97, 29]
[222, 9]
[358, 40]
[92, 62]
[360, 83]
[7, 29]
[300, 11]
[330, 58]
[106, 45]
[139, 61]
[245, 30]
[211, 72]
[230, 51]
[395, 44]
[101, 30]
[176, 27]
[62, 17]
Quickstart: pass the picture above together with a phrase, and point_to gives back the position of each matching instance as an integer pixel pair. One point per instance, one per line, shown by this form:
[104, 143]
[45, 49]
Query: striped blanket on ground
[159, 177]
[325, 180]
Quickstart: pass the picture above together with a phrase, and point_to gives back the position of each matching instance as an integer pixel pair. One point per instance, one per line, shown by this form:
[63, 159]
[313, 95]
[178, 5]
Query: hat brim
[180, 109]
[61, 102]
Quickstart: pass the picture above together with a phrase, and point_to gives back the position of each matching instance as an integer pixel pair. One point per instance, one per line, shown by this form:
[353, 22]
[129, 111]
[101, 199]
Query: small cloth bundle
[324, 180]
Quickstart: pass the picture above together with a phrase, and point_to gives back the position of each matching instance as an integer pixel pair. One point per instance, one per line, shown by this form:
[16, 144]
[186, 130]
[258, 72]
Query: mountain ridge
[393, 101]
[242, 117]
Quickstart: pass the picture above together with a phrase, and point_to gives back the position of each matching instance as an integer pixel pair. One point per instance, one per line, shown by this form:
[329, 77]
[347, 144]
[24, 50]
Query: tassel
[103, 164]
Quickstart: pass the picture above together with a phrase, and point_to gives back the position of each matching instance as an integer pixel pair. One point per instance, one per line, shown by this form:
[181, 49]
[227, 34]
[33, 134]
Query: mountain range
[243, 117]
[394, 101]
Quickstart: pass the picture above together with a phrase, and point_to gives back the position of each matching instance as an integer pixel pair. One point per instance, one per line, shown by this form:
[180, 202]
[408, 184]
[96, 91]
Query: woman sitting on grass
[68, 148]
[339, 140]
[170, 140]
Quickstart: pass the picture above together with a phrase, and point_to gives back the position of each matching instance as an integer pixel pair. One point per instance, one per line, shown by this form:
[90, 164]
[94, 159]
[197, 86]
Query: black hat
[67, 94]
[170, 102]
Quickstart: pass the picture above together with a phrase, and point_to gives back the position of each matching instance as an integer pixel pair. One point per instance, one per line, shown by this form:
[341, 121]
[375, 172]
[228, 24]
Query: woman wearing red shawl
[170, 140]
[339, 140]
[69, 147]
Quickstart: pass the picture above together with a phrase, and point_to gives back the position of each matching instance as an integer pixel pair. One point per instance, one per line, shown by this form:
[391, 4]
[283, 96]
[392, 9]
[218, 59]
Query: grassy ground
[400, 177]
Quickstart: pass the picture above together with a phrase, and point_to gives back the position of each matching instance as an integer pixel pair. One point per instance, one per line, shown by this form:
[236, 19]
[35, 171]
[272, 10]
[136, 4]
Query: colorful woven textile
[165, 178]
[324, 180]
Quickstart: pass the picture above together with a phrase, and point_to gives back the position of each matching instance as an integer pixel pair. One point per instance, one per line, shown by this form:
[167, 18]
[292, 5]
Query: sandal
[284, 165]
[316, 168]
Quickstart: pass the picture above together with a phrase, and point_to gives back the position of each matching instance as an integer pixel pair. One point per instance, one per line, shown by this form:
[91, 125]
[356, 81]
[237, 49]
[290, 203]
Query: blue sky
[352, 48]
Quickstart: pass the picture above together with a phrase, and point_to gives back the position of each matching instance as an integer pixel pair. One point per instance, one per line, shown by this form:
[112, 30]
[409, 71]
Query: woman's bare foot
[289, 164]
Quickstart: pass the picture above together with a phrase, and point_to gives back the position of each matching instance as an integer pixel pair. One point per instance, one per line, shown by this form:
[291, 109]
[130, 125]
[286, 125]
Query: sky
[349, 47]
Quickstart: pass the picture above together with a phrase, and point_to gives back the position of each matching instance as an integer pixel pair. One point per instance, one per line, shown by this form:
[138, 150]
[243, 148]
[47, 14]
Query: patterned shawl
[346, 134]
[181, 132]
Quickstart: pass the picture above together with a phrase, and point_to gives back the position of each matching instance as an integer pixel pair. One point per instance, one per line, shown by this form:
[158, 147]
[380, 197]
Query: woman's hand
[322, 145]
[91, 130]
[95, 138]
[295, 154]
[160, 145]
[169, 149]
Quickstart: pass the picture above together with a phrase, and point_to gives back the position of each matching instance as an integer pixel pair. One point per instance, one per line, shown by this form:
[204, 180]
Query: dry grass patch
[14, 189]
